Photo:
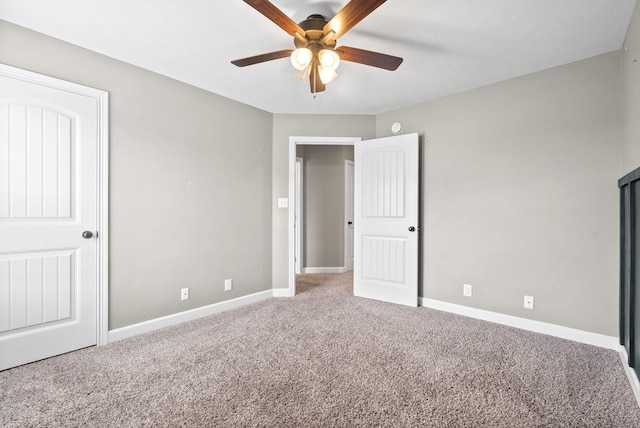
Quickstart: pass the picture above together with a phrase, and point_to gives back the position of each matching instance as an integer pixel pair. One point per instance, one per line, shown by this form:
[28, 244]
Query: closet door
[49, 139]
[629, 262]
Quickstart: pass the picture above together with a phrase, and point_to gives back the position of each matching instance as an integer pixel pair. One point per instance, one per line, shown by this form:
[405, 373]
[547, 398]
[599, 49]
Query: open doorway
[318, 227]
[322, 205]
[386, 211]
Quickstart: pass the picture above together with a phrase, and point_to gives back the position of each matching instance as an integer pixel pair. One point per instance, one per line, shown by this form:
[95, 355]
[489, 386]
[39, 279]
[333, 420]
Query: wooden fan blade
[267, 8]
[374, 59]
[262, 58]
[314, 80]
[352, 13]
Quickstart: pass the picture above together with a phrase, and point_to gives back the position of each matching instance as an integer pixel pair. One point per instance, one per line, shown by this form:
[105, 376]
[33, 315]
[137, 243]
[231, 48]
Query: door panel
[386, 212]
[384, 181]
[41, 288]
[384, 259]
[48, 197]
[39, 146]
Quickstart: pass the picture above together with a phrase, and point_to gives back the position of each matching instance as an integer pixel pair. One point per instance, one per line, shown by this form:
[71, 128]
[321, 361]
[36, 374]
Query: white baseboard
[596, 339]
[282, 292]
[325, 269]
[180, 317]
[631, 373]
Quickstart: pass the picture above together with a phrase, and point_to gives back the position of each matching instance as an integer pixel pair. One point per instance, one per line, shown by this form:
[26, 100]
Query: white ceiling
[448, 46]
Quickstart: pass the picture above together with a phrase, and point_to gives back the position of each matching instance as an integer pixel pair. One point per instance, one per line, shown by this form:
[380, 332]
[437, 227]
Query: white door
[48, 198]
[386, 219]
[348, 203]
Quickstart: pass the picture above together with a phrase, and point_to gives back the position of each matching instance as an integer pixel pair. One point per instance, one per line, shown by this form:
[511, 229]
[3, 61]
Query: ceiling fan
[316, 56]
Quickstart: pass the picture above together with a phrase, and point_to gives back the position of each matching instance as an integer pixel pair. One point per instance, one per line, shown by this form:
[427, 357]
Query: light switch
[283, 203]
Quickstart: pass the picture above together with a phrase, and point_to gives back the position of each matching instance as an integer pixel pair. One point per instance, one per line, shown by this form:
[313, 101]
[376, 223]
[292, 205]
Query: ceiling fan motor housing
[313, 27]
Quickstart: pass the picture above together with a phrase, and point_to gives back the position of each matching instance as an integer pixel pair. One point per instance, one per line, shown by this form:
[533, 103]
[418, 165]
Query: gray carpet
[325, 358]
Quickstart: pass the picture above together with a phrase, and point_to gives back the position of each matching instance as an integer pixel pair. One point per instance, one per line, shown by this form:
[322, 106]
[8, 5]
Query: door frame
[348, 196]
[101, 99]
[298, 220]
[293, 142]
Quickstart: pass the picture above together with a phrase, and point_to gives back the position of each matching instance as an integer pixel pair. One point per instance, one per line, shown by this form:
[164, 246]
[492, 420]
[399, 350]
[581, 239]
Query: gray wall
[324, 182]
[631, 96]
[519, 185]
[190, 182]
[520, 196]
[284, 126]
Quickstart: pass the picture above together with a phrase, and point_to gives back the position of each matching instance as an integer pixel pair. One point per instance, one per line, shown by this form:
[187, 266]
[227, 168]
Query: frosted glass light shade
[301, 58]
[328, 59]
[326, 74]
[303, 74]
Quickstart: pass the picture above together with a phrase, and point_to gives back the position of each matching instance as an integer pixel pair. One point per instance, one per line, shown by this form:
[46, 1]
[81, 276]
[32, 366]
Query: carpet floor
[325, 358]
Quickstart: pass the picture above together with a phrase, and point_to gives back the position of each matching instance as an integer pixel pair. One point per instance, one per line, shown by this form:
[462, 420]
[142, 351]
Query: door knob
[87, 234]
[412, 229]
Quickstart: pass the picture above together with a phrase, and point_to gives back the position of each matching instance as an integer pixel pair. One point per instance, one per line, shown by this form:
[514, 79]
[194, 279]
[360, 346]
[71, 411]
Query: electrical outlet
[467, 290]
[528, 302]
[184, 294]
[228, 284]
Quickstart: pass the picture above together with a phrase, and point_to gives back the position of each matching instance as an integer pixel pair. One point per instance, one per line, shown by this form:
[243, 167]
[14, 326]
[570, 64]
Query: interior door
[386, 219]
[48, 221]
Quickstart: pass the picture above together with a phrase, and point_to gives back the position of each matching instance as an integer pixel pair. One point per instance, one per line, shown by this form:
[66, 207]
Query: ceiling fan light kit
[327, 61]
[316, 58]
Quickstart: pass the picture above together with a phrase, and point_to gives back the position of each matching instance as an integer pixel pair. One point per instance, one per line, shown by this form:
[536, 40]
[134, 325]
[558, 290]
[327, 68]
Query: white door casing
[386, 219]
[348, 214]
[298, 221]
[293, 142]
[53, 182]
